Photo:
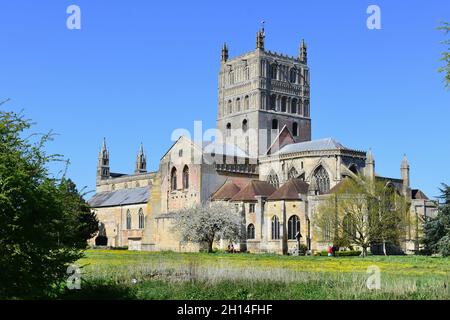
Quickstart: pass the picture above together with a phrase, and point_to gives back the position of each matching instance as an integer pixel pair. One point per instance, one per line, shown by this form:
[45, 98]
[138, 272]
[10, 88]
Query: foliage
[44, 222]
[204, 224]
[445, 26]
[258, 276]
[437, 230]
[363, 212]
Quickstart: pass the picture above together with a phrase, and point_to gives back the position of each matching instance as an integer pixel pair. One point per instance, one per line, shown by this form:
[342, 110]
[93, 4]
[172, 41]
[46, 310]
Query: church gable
[282, 139]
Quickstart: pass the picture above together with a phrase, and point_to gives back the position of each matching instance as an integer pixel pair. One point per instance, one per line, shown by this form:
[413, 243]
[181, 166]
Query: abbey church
[263, 162]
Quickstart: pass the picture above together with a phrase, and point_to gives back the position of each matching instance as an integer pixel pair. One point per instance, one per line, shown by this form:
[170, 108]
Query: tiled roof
[418, 194]
[253, 189]
[227, 191]
[120, 197]
[314, 145]
[290, 190]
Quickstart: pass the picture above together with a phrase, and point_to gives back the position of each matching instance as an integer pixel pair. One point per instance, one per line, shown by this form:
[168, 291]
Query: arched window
[246, 102]
[230, 107]
[292, 173]
[186, 177]
[228, 133]
[238, 104]
[283, 104]
[327, 231]
[128, 220]
[306, 108]
[294, 105]
[274, 124]
[293, 227]
[273, 180]
[275, 228]
[295, 129]
[244, 125]
[293, 76]
[247, 73]
[141, 219]
[349, 226]
[251, 231]
[231, 77]
[273, 102]
[173, 179]
[273, 71]
[322, 180]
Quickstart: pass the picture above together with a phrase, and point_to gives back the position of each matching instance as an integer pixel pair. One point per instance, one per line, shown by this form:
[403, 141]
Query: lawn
[167, 275]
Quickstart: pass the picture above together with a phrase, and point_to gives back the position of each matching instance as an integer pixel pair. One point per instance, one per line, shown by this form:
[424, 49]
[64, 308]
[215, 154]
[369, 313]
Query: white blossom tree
[204, 224]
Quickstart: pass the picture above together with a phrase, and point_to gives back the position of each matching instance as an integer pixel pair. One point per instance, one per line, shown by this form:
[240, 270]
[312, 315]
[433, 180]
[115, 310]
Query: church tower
[260, 92]
[141, 161]
[404, 169]
[103, 163]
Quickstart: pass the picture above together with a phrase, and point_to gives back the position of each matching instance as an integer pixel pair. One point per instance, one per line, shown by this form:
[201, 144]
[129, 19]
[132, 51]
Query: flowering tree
[207, 223]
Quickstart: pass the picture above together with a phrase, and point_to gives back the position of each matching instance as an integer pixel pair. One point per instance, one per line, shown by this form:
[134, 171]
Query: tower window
[294, 106]
[273, 102]
[228, 131]
[273, 71]
[274, 124]
[244, 125]
[275, 228]
[283, 104]
[251, 208]
[238, 104]
[246, 103]
[295, 129]
[293, 76]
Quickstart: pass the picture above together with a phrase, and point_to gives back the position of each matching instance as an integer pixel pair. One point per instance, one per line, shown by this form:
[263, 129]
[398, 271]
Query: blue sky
[137, 70]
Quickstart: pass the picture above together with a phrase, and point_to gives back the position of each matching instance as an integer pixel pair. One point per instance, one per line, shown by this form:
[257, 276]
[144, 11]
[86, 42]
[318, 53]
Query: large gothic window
[141, 219]
[128, 220]
[251, 231]
[293, 227]
[275, 228]
[186, 177]
[293, 76]
[292, 173]
[273, 71]
[349, 226]
[322, 180]
[273, 180]
[173, 179]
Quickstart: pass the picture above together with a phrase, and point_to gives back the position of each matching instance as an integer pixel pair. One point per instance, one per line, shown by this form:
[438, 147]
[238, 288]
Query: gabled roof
[227, 191]
[290, 190]
[253, 189]
[418, 194]
[314, 145]
[120, 197]
[283, 138]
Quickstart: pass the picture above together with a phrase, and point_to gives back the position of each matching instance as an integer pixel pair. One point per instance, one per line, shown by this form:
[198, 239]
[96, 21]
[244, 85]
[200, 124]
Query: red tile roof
[290, 190]
[253, 189]
[227, 191]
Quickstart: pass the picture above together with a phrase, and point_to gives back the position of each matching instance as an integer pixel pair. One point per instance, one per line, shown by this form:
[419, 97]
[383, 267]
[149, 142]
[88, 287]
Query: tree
[436, 237]
[363, 212]
[44, 222]
[445, 26]
[204, 224]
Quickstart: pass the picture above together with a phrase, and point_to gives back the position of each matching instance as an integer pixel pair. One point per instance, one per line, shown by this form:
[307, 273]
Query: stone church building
[263, 162]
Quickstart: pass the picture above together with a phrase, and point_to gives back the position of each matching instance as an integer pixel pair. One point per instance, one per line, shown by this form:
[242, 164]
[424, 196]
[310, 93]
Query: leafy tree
[204, 224]
[44, 222]
[437, 230]
[445, 26]
[363, 212]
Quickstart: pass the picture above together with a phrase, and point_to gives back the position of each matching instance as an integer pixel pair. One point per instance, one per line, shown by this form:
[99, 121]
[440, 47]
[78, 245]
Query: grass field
[166, 275]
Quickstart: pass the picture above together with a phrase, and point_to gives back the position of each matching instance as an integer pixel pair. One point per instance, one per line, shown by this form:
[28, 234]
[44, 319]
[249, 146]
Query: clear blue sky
[135, 65]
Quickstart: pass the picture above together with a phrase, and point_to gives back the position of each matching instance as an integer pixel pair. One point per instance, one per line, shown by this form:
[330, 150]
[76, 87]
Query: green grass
[169, 275]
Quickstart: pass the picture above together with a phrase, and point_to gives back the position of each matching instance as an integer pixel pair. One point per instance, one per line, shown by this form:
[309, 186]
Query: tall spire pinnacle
[370, 165]
[141, 161]
[260, 35]
[224, 56]
[103, 162]
[303, 54]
